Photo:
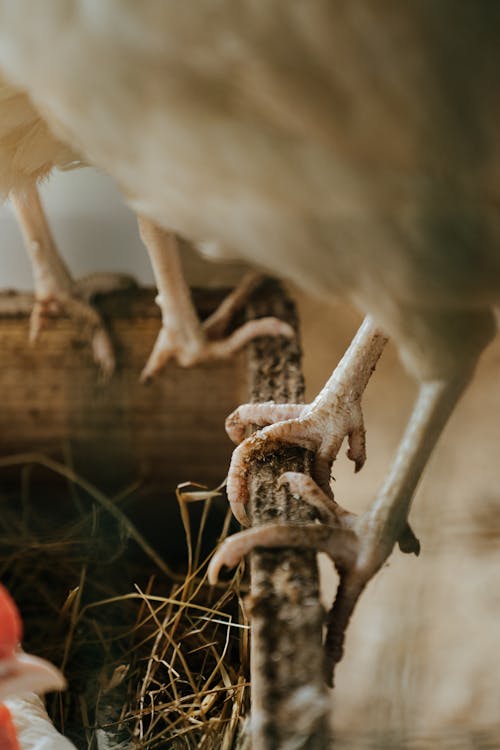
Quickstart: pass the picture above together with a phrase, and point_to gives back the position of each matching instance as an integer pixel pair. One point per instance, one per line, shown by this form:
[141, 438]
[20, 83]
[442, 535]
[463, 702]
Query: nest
[154, 657]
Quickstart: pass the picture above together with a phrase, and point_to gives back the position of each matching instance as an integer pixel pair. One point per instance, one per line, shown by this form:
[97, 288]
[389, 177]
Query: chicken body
[351, 147]
[28, 149]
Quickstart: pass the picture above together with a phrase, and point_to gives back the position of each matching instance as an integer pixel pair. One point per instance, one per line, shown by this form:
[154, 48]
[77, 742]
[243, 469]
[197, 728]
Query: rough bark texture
[289, 699]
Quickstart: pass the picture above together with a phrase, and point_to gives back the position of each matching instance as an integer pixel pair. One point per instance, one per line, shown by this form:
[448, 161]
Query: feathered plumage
[24, 723]
[28, 149]
[349, 146]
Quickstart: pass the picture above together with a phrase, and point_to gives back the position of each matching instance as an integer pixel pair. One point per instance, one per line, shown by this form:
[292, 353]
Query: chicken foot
[55, 289]
[182, 335]
[320, 426]
[360, 545]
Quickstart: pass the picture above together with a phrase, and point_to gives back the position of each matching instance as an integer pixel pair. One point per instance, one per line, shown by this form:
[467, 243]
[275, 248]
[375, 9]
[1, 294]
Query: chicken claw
[55, 289]
[77, 303]
[336, 536]
[320, 426]
[182, 335]
[336, 542]
[342, 535]
[379, 528]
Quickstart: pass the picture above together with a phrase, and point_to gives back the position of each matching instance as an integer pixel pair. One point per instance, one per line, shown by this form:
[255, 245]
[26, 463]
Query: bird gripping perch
[289, 698]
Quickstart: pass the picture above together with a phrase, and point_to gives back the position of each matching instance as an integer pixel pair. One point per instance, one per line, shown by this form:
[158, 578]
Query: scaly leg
[55, 289]
[382, 525]
[358, 546]
[217, 323]
[182, 336]
[320, 426]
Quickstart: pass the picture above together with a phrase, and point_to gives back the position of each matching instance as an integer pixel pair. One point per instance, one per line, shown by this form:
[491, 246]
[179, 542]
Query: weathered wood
[54, 400]
[289, 698]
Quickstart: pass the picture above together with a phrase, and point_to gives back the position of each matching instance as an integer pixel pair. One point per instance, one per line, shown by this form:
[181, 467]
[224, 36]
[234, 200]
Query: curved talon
[305, 488]
[408, 541]
[357, 440]
[240, 513]
[259, 444]
[227, 555]
[79, 311]
[322, 470]
[339, 544]
[190, 350]
[162, 351]
[42, 310]
[102, 351]
[102, 348]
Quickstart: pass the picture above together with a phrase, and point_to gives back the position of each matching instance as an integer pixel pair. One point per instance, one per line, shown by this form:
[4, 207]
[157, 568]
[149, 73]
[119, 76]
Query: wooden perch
[290, 702]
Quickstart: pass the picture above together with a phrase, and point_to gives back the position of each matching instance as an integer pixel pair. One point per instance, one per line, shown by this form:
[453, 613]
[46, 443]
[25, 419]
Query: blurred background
[95, 231]
[422, 652]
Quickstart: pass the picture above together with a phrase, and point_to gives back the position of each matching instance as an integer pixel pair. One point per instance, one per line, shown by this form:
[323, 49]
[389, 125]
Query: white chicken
[24, 723]
[348, 146]
[28, 153]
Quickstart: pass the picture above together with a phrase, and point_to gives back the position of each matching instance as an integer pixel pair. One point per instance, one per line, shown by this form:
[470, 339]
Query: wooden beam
[290, 702]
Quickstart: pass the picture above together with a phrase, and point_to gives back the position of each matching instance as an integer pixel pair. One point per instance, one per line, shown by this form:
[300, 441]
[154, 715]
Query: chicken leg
[182, 335]
[358, 546]
[55, 289]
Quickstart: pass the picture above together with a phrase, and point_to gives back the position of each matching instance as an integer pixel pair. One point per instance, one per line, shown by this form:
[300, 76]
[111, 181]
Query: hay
[154, 657]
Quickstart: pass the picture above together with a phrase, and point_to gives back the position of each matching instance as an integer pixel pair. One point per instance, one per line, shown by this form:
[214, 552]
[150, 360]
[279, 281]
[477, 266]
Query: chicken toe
[55, 289]
[182, 336]
[320, 426]
[347, 539]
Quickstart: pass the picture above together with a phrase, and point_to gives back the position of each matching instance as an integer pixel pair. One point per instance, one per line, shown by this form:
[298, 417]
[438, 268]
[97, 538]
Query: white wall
[95, 231]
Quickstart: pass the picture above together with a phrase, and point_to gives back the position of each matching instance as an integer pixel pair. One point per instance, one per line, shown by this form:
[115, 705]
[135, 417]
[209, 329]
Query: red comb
[8, 736]
[11, 629]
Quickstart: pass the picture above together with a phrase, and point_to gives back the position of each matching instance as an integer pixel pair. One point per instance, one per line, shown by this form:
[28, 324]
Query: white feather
[35, 729]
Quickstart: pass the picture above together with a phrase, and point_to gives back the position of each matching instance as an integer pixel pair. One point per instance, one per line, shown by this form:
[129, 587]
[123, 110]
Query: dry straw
[154, 657]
